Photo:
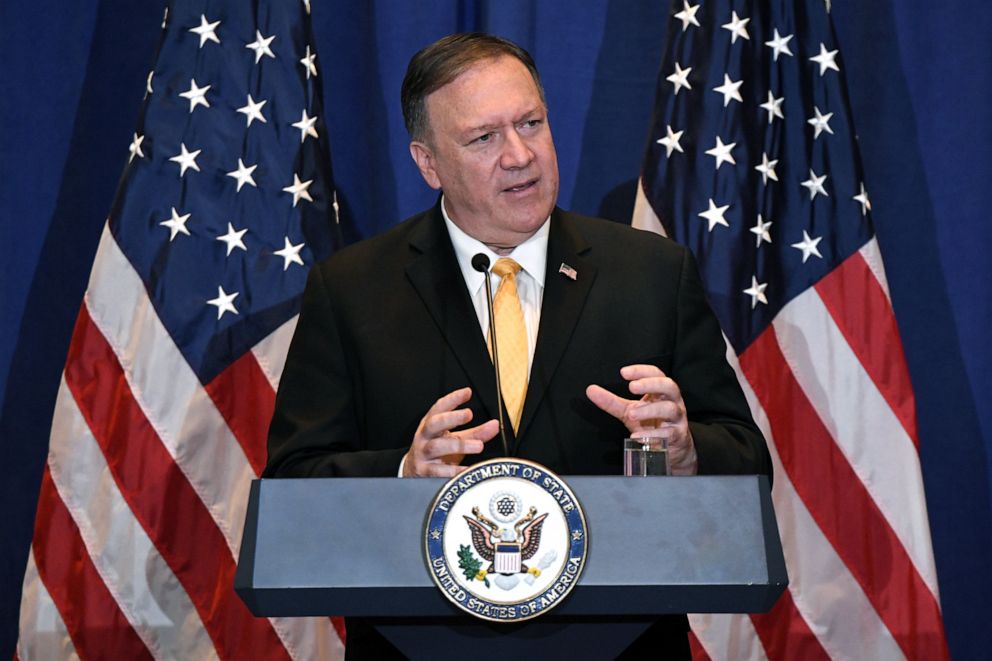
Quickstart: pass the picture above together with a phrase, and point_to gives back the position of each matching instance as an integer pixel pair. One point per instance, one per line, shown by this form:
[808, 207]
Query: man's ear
[424, 158]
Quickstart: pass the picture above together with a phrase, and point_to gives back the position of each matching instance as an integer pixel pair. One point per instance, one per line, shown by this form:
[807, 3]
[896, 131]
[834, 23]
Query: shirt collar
[532, 254]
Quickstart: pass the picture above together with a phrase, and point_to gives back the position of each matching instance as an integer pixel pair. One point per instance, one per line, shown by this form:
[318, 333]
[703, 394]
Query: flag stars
[779, 44]
[737, 27]
[299, 189]
[688, 15]
[307, 126]
[206, 31]
[761, 230]
[148, 83]
[714, 215]
[815, 184]
[773, 106]
[135, 147]
[290, 254]
[224, 302]
[820, 123]
[253, 110]
[197, 95]
[261, 46]
[826, 59]
[233, 239]
[176, 224]
[757, 292]
[862, 199]
[308, 63]
[808, 246]
[721, 153]
[671, 141]
[730, 90]
[186, 159]
[767, 169]
[243, 175]
[680, 78]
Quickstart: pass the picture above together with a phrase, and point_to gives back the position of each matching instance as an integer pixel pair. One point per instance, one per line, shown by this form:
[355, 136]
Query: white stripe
[271, 352]
[873, 257]
[140, 580]
[43, 635]
[309, 638]
[168, 392]
[183, 415]
[644, 217]
[727, 637]
[865, 429]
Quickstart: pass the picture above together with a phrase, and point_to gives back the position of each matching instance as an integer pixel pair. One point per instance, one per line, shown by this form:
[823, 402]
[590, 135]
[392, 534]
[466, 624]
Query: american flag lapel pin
[567, 271]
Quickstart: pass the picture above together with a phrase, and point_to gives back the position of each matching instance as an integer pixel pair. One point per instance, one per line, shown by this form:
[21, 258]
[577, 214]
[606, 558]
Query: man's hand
[436, 451]
[659, 412]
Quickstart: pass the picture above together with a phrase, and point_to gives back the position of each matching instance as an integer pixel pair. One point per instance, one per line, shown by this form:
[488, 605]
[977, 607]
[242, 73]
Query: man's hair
[440, 63]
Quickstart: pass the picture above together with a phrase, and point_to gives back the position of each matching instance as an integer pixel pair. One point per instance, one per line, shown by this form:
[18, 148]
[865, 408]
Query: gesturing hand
[436, 451]
[660, 411]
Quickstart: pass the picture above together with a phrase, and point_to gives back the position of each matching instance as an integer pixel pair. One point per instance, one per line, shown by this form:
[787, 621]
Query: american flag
[753, 163]
[225, 202]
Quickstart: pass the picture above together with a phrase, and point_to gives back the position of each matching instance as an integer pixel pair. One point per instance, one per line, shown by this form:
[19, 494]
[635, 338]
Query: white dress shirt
[532, 255]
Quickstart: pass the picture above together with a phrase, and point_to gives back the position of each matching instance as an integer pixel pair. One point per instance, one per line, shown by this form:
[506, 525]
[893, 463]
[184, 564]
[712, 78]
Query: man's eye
[531, 123]
[486, 137]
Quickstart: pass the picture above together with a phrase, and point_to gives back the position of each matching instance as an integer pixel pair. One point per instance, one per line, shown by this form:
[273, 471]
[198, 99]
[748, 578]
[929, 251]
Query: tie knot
[505, 266]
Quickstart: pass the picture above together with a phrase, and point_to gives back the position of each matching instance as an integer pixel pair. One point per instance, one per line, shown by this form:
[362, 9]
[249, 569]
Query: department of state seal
[506, 540]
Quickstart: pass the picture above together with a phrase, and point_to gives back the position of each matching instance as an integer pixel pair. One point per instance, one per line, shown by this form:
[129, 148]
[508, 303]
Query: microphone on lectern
[480, 262]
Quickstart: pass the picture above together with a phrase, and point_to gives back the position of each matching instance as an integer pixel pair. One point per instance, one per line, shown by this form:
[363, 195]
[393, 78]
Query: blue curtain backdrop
[72, 75]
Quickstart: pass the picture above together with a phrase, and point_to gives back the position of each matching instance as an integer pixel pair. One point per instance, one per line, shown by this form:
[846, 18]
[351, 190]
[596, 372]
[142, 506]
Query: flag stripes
[245, 399]
[77, 589]
[52, 640]
[184, 533]
[785, 634]
[871, 332]
[153, 600]
[834, 495]
[121, 366]
[868, 433]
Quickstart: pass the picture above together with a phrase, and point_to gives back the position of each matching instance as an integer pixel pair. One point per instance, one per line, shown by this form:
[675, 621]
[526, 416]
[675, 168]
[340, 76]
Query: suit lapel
[561, 307]
[434, 273]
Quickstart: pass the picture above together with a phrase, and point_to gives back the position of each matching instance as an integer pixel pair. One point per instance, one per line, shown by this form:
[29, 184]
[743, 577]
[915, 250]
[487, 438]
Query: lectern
[355, 547]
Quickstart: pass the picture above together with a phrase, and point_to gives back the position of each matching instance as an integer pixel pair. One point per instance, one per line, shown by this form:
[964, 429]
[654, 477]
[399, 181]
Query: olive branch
[470, 565]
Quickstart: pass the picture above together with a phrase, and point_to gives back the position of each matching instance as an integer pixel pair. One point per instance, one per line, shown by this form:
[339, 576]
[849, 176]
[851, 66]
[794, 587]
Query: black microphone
[480, 262]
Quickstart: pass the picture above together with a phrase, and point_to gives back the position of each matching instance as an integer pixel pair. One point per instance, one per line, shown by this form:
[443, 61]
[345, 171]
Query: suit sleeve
[316, 429]
[727, 440]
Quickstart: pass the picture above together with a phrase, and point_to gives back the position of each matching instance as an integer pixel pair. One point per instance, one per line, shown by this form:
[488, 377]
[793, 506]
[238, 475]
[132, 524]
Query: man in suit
[389, 371]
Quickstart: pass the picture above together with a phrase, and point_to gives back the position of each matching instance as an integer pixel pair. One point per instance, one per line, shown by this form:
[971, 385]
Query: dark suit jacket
[387, 327]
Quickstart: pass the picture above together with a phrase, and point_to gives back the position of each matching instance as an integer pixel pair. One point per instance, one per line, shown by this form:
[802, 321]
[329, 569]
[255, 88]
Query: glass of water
[645, 456]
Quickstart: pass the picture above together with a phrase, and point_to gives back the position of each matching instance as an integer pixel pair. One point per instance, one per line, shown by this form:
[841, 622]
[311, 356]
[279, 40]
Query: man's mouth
[521, 186]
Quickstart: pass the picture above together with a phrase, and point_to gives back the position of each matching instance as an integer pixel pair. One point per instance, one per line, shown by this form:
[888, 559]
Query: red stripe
[842, 507]
[161, 498]
[859, 307]
[698, 653]
[785, 634]
[338, 623]
[96, 624]
[245, 398]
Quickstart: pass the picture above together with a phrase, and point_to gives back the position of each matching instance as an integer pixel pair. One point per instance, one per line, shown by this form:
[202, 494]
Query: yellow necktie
[511, 339]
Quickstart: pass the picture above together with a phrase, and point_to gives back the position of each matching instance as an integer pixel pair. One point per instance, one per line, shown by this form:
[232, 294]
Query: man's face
[489, 148]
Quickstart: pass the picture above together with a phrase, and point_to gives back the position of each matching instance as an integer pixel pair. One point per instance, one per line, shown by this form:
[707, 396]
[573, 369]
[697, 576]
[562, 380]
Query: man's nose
[516, 154]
